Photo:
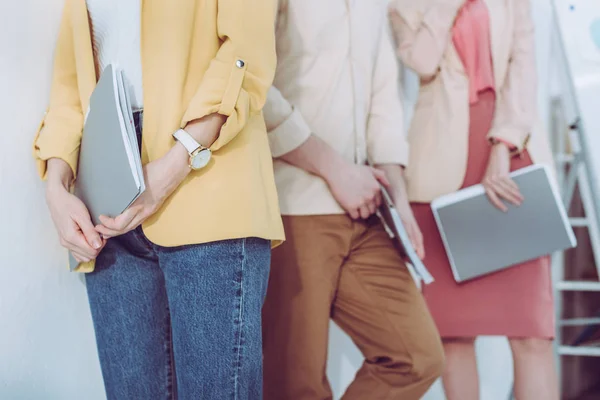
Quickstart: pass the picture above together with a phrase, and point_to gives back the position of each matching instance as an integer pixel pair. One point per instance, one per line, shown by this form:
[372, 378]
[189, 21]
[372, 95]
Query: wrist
[206, 130]
[329, 169]
[501, 148]
[54, 183]
[55, 187]
[178, 162]
[59, 175]
[400, 197]
[165, 174]
[496, 141]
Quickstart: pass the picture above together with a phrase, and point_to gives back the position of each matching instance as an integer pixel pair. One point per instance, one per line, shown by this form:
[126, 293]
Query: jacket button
[240, 64]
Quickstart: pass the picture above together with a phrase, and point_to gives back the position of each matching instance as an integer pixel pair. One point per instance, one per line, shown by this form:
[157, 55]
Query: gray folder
[393, 225]
[480, 239]
[109, 175]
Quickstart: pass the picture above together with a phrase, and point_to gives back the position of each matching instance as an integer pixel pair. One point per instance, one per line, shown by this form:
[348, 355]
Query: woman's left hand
[497, 183]
[162, 177]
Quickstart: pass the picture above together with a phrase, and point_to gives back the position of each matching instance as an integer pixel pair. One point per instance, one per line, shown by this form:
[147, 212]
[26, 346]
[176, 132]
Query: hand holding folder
[480, 240]
[110, 175]
[395, 228]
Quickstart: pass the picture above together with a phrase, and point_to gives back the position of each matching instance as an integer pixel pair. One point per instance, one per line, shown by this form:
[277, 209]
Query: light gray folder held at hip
[109, 174]
[480, 239]
[395, 228]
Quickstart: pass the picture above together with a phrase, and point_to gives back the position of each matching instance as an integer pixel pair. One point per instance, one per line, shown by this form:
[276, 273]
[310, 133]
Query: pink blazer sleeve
[516, 110]
[422, 32]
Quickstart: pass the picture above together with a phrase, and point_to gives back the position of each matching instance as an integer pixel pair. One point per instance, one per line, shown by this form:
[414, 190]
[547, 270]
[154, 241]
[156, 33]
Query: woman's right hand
[71, 217]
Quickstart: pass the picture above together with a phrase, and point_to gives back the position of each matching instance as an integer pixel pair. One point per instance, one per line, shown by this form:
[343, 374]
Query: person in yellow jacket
[176, 282]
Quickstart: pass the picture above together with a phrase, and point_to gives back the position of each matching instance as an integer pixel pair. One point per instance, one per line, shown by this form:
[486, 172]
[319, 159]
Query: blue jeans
[181, 322]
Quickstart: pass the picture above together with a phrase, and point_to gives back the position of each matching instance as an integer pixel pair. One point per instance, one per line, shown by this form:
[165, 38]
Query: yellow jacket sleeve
[238, 78]
[59, 134]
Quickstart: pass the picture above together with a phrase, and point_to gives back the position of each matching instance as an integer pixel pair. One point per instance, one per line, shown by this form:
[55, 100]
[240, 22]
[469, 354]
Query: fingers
[117, 226]
[119, 223]
[498, 188]
[368, 194]
[414, 232]
[76, 243]
[137, 221]
[417, 238]
[91, 236]
[378, 200]
[510, 183]
[364, 212]
[494, 199]
[380, 176]
[369, 207]
[77, 234]
[107, 233]
[395, 18]
[80, 257]
[354, 213]
[509, 190]
[372, 206]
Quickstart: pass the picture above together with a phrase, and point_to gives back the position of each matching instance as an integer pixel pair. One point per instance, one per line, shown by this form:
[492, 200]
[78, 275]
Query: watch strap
[190, 144]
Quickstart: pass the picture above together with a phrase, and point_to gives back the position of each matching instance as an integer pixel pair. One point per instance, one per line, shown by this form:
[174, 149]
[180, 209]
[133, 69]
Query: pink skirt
[516, 302]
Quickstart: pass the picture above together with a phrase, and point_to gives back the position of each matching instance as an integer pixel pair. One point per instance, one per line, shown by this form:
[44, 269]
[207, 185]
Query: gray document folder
[393, 225]
[110, 175]
[480, 239]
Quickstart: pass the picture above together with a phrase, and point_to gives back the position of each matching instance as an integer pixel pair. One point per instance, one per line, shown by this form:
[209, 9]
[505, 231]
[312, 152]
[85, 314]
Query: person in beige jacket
[475, 120]
[333, 109]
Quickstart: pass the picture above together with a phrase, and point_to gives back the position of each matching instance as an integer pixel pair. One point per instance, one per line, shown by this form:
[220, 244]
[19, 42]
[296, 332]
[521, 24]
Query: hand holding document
[395, 228]
[481, 239]
[110, 176]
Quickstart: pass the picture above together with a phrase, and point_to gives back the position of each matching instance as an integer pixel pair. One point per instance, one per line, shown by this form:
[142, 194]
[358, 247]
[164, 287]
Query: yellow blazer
[438, 135]
[190, 54]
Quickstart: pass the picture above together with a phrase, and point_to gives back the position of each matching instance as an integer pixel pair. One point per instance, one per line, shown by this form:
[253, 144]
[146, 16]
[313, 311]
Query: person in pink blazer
[474, 122]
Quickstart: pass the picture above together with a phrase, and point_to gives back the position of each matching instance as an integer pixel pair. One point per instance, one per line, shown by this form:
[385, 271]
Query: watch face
[201, 159]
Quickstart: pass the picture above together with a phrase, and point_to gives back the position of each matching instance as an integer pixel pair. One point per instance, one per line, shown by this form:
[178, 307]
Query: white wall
[47, 348]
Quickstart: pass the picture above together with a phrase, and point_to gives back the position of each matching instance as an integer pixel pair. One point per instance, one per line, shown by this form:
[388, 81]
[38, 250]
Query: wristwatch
[199, 155]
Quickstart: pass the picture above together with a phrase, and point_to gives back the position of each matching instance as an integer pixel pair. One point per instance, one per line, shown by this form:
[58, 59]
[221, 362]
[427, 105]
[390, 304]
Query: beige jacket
[438, 134]
[337, 78]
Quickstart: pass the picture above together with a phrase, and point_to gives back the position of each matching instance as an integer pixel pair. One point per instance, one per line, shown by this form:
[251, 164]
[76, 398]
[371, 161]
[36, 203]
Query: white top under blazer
[116, 31]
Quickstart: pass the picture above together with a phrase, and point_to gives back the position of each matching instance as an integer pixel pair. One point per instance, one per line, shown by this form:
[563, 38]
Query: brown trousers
[333, 267]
